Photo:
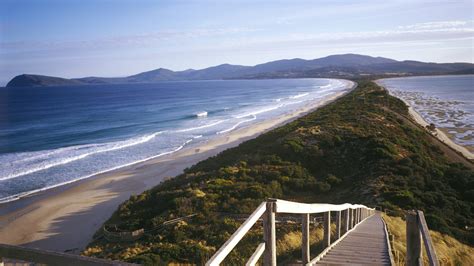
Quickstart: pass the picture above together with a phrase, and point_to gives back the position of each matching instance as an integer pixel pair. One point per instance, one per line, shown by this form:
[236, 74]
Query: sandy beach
[65, 218]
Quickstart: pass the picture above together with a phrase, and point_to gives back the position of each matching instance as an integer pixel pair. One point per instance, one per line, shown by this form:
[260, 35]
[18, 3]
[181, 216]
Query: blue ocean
[51, 136]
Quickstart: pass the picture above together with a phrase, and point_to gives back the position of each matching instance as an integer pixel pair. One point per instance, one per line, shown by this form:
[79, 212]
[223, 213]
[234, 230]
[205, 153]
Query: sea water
[50, 136]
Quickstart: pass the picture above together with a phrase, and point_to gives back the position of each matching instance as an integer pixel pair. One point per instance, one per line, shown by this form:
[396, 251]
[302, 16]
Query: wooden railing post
[327, 229]
[356, 215]
[413, 240]
[338, 224]
[306, 256]
[269, 235]
[351, 218]
[346, 220]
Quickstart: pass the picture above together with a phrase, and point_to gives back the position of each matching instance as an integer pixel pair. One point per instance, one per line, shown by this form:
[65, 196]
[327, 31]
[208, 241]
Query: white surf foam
[299, 95]
[44, 160]
[201, 114]
[236, 125]
[24, 194]
[201, 127]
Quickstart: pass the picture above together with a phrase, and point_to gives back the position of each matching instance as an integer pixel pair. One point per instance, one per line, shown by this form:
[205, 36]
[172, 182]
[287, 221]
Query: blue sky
[72, 38]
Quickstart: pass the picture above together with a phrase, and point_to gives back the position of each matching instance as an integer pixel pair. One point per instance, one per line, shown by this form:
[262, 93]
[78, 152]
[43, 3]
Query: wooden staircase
[361, 236]
[365, 245]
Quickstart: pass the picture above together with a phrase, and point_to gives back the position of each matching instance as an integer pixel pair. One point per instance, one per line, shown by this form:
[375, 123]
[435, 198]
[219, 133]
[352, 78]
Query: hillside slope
[359, 148]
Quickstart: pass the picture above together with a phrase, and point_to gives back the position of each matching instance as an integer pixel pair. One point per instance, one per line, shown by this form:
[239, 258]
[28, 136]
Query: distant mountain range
[340, 66]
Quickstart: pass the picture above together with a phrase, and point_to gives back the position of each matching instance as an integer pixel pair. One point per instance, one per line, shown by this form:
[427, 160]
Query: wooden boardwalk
[365, 245]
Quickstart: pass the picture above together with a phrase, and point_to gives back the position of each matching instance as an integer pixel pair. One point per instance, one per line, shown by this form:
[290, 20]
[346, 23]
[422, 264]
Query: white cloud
[127, 40]
[435, 25]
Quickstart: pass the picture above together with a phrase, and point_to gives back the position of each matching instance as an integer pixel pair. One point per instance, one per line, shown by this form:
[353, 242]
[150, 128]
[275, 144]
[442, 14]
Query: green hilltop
[361, 148]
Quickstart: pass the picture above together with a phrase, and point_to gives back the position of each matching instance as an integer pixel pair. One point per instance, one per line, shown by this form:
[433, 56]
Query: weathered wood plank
[269, 234]
[425, 233]
[305, 244]
[413, 240]
[327, 229]
[364, 244]
[346, 221]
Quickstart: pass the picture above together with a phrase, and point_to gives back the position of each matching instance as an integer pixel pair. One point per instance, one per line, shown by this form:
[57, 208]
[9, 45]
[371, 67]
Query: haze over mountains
[342, 66]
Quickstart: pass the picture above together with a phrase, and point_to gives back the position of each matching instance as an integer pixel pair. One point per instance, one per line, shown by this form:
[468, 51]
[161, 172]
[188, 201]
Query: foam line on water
[99, 148]
[201, 127]
[23, 194]
[299, 95]
[236, 125]
[259, 111]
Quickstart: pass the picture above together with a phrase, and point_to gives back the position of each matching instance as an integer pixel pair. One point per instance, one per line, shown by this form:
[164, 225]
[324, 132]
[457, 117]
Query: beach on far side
[436, 132]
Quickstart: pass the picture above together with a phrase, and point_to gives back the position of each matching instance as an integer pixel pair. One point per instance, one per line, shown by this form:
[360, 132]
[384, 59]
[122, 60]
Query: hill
[343, 66]
[28, 80]
[361, 148]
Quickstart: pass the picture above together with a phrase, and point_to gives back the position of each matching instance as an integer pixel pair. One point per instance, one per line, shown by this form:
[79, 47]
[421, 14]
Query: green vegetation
[360, 148]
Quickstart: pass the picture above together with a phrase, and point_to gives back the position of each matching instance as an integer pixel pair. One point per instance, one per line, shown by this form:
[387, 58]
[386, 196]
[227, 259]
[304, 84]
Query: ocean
[446, 101]
[51, 136]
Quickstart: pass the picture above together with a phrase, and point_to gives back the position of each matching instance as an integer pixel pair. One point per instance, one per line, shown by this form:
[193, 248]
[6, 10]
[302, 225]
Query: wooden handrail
[256, 255]
[235, 238]
[283, 206]
[352, 215]
[417, 230]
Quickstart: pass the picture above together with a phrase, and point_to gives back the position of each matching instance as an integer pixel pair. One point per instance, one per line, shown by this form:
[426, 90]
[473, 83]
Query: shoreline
[439, 133]
[66, 217]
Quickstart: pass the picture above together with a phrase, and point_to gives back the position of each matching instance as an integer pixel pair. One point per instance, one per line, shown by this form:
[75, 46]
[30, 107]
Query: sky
[78, 38]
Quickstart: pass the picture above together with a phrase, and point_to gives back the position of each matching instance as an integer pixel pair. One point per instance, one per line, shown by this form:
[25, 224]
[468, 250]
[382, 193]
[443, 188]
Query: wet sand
[441, 135]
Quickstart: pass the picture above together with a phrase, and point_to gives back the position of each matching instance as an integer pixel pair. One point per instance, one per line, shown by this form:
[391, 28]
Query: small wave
[326, 86]
[201, 114]
[236, 125]
[260, 111]
[201, 127]
[299, 95]
[92, 148]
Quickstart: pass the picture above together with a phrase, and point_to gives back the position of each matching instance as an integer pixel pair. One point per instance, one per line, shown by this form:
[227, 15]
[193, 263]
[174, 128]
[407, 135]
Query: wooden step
[365, 245]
